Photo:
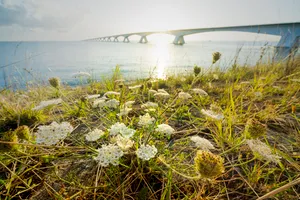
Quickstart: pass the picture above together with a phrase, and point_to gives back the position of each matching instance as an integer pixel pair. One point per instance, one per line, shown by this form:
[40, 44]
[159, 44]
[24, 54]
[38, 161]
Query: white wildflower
[149, 105]
[109, 154]
[146, 152]
[199, 92]
[81, 74]
[113, 103]
[127, 132]
[124, 143]
[99, 103]
[165, 129]
[263, 150]
[116, 128]
[119, 81]
[53, 133]
[162, 91]
[152, 91]
[124, 111]
[212, 114]
[184, 95]
[94, 135]
[203, 143]
[128, 104]
[94, 96]
[162, 95]
[44, 104]
[146, 120]
[134, 87]
[111, 93]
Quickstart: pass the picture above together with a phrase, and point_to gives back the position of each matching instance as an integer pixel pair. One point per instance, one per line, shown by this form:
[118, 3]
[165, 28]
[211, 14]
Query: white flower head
[161, 95]
[146, 120]
[124, 111]
[44, 104]
[149, 105]
[212, 114]
[99, 103]
[109, 154]
[135, 87]
[199, 92]
[123, 143]
[263, 150]
[152, 91]
[81, 75]
[127, 132]
[53, 133]
[165, 129]
[94, 135]
[112, 103]
[202, 143]
[128, 103]
[116, 128]
[162, 91]
[146, 152]
[111, 93]
[93, 96]
[184, 95]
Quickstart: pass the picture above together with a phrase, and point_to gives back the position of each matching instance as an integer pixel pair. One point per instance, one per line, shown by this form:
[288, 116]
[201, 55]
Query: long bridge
[289, 32]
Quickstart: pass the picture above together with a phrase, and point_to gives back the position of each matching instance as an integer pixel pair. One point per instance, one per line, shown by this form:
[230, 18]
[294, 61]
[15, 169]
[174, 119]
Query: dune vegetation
[206, 134]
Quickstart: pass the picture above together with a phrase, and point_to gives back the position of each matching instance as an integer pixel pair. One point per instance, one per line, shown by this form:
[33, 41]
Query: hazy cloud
[28, 14]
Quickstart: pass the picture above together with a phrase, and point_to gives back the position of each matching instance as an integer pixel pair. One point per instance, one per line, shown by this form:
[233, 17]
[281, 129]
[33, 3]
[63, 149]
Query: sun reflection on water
[161, 54]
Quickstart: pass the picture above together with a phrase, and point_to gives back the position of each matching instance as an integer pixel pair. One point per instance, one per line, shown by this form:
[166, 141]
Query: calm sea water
[35, 62]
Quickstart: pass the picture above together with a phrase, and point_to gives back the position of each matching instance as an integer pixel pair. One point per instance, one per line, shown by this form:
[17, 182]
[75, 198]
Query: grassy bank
[213, 134]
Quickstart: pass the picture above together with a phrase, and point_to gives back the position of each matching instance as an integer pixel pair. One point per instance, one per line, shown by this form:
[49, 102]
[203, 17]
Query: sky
[47, 20]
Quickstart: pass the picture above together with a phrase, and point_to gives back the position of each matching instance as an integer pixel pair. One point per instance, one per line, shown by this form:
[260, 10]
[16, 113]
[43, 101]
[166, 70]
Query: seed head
[208, 165]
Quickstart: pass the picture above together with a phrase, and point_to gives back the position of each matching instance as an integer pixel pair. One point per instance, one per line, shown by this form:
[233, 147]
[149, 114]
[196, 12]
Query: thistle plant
[208, 165]
[197, 70]
[216, 57]
[54, 82]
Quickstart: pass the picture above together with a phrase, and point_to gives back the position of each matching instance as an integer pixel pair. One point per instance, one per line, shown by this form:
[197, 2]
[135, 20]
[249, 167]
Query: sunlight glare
[160, 53]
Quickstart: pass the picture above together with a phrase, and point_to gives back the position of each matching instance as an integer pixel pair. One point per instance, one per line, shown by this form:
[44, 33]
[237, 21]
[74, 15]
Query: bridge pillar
[108, 40]
[179, 40]
[126, 39]
[116, 39]
[143, 39]
[288, 43]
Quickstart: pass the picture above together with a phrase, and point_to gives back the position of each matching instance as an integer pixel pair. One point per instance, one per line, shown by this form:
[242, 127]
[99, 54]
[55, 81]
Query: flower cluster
[112, 103]
[263, 150]
[123, 143]
[146, 120]
[94, 135]
[199, 92]
[146, 152]
[184, 95]
[162, 94]
[111, 93]
[149, 105]
[53, 133]
[165, 129]
[212, 114]
[134, 87]
[202, 143]
[44, 104]
[122, 129]
[109, 154]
